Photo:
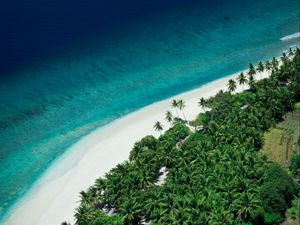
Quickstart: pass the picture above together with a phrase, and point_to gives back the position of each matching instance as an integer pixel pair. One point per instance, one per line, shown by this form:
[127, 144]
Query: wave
[291, 36]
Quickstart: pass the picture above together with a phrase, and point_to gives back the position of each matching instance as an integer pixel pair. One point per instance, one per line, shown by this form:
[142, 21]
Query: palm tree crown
[231, 85]
[251, 69]
[158, 126]
[175, 106]
[242, 79]
[251, 80]
[291, 53]
[169, 116]
[181, 106]
[284, 57]
[202, 102]
[268, 65]
[260, 67]
[274, 63]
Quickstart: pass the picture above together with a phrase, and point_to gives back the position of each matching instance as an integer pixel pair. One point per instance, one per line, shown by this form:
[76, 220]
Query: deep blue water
[34, 28]
[68, 67]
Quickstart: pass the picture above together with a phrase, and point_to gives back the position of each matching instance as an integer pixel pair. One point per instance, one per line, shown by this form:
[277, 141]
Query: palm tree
[251, 70]
[169, 116]
[158, 126]
[260, 67]
[82, 213]
[65, 223]
[291, 53]
[153, 201]
[246, 204]
[202, 102]
[100, 184]
[84, 197]
[130, 210]
[242, 79]
[231, 85]
[274, 63]
[251, 80]
[175, 105]
[181, 106]
[268, 65]
[284, 57]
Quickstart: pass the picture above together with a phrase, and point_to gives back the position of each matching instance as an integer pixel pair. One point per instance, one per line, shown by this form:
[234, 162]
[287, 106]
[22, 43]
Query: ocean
[69, 67]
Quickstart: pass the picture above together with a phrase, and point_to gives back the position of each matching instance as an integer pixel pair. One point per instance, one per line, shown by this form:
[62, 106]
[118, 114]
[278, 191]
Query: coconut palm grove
[210, 170]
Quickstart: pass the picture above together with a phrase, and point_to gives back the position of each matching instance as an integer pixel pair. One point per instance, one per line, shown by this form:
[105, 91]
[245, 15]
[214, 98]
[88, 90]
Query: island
[223, 167]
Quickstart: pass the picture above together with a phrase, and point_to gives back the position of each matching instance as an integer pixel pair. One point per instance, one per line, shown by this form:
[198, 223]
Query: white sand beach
[56, 195]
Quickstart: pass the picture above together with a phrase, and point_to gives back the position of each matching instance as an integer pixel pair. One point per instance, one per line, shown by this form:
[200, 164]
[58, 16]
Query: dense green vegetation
[294, 165]
[215, 175]
[277, 193]
[293, 213]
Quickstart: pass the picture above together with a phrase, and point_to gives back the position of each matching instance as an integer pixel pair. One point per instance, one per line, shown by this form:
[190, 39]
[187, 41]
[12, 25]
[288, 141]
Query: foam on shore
[291, 36]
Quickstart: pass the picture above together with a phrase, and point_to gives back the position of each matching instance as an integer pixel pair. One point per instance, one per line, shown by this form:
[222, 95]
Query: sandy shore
[53, 199]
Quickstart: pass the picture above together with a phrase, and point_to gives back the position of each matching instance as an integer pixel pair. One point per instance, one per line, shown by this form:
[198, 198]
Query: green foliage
[258, 216]
[273, 199]
[273, 219]
[277, 190]
[100, 218]
[201, 118]
[294, 211]
[297, 106]
[220, 100]
[294, 163]
[148, 143]
[178, 132]
[231, 85]
[105, 220]
[65, 223]
[297, 75]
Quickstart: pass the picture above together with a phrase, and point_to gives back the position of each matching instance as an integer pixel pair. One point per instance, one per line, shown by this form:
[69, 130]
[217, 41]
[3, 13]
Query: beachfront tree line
[216, 175]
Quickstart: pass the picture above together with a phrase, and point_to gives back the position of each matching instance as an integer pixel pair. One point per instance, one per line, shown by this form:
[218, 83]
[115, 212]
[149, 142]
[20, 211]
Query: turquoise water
[52, 103]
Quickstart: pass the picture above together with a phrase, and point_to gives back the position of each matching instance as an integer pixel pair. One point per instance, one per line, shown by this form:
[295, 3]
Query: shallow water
[52, 102]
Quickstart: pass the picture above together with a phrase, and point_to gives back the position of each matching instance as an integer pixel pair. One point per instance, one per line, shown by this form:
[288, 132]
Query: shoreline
[55, 196]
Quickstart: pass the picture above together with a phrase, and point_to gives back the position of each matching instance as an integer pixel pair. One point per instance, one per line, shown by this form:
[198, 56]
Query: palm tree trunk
[184, 115]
